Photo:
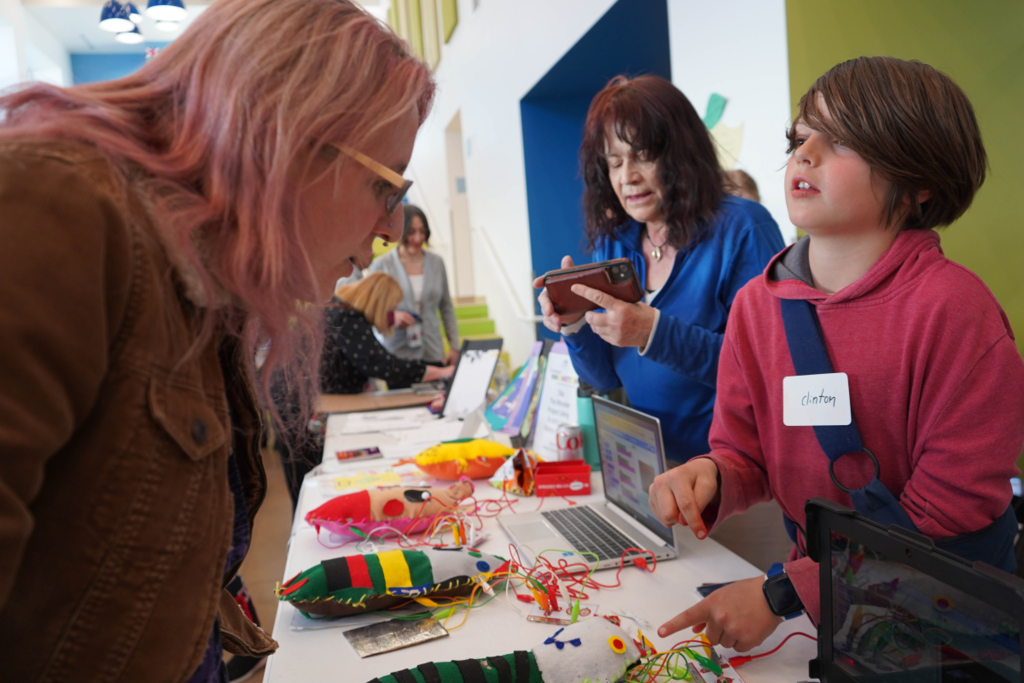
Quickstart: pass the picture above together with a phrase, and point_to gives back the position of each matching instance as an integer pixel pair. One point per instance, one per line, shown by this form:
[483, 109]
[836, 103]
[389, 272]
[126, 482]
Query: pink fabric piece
[406, 525]
[936, 385]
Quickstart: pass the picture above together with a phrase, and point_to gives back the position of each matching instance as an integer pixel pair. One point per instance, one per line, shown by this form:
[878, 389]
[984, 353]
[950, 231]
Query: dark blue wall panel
[631, 38]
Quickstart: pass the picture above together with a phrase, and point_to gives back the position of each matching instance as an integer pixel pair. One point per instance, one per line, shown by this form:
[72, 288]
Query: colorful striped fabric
[518, 667]
[380, 571]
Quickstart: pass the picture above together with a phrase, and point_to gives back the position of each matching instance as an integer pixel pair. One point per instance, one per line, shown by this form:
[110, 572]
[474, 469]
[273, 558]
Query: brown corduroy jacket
[115, 509]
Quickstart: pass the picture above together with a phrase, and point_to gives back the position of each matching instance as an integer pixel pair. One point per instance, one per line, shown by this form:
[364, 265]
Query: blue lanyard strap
[807, 349]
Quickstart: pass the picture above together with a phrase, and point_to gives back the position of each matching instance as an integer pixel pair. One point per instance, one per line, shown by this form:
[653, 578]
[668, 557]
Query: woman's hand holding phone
[552, 320]
[623, 324]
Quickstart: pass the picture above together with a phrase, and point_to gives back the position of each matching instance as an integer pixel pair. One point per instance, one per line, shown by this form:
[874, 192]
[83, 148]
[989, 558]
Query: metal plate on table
[393, 635]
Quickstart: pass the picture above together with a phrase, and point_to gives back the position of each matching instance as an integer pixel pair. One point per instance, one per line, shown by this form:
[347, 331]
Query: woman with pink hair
[156, 230]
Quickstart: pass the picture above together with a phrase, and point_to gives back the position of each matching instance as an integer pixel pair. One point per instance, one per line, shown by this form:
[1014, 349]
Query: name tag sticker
[816, 400]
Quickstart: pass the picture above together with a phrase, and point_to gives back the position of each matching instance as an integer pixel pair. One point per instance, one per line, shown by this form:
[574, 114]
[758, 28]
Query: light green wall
[980, 44]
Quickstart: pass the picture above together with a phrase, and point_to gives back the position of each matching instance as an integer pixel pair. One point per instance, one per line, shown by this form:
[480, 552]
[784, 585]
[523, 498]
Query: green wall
[980, 44]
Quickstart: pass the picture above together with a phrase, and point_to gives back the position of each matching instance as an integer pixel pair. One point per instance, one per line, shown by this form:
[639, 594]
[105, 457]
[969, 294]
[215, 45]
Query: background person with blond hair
[352, 354]
[158, 229]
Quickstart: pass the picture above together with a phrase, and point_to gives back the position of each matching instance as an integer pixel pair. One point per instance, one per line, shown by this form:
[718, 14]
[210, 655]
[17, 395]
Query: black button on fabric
[199, 431]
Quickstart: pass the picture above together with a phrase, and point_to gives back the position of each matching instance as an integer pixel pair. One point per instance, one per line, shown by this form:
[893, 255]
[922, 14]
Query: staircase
[471, 314]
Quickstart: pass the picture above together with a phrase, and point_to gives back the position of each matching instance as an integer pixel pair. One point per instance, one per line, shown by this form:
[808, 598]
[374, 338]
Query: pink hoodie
[936, 385]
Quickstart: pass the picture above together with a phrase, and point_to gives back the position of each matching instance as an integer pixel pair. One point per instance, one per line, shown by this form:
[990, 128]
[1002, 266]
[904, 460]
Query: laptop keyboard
[588, 531]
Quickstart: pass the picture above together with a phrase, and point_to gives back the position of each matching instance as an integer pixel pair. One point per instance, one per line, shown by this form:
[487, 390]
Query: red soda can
[569, 442]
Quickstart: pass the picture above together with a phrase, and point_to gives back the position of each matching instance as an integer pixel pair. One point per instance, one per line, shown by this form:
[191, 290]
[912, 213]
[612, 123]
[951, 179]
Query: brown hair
[374, 296]
[912, 124]
[737, 180]
[657, 121]
[413, 211]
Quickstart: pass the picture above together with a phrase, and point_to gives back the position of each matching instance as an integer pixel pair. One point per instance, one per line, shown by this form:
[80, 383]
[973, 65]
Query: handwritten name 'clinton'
[821, 399]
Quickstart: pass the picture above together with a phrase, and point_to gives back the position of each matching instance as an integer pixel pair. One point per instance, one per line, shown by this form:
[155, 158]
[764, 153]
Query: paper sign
[557, 401]
[816, 400]
[365, 480]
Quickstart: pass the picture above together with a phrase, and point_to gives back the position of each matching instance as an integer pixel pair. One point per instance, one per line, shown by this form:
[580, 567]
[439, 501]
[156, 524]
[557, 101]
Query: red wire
[743, 659]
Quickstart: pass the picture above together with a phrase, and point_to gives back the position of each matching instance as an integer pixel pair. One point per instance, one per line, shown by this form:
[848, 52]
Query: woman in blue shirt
[654, 194]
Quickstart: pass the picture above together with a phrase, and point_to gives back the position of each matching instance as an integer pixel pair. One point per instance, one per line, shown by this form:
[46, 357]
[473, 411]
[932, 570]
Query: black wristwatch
[782, 598]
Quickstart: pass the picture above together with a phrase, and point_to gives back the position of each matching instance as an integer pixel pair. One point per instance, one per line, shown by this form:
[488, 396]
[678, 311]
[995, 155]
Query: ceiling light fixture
[167, 25]
[134, 14]
[166, 10]
[132, 37]
[115, 17]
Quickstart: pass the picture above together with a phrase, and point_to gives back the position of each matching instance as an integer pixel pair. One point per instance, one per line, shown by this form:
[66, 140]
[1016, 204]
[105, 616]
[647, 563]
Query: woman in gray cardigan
[424, 283]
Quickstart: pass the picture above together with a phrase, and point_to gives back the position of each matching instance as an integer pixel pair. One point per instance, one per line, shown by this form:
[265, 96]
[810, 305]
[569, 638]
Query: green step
[470, 311]
[476, 326]
[478, 337]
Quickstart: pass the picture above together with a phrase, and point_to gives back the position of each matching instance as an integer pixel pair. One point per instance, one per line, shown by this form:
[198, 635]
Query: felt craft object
[473, 458]
[408, 510]
[364, 583]
[594, 650]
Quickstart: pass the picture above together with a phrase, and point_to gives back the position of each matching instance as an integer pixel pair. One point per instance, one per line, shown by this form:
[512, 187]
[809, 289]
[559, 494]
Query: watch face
[781, 596]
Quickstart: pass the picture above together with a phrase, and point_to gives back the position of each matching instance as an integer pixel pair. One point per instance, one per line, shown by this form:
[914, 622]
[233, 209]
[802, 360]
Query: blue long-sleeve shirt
[675, 378]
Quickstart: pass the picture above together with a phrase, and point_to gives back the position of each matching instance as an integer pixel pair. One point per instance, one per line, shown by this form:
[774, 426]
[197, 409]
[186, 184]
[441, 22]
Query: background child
[882, 151]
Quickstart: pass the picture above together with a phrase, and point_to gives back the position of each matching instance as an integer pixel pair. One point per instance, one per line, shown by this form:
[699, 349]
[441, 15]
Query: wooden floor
[264, 565]
[757, 536]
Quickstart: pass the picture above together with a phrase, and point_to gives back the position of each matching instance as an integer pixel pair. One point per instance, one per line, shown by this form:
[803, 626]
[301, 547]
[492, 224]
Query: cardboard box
[565, 478]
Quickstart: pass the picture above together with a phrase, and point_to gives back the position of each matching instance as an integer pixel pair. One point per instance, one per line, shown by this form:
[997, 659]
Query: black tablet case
[1000, 596]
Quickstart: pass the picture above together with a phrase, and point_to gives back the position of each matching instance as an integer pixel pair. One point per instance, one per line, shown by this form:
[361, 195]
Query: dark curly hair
[657, 121]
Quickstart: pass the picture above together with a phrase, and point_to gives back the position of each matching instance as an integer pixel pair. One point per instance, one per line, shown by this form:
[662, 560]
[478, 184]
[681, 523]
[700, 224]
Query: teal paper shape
[716, 107]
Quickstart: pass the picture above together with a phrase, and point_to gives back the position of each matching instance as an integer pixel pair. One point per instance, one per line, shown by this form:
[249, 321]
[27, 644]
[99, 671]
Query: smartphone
[616, 278]
[704, 590]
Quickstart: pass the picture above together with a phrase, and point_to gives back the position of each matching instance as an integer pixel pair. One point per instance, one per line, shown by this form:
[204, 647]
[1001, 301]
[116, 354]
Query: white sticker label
[816, 400]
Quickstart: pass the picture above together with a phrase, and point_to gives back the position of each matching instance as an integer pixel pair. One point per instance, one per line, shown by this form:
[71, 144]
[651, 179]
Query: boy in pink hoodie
[882, 151]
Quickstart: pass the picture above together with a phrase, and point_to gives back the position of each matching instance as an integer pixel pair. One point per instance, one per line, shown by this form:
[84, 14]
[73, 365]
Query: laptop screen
[891, 622]
[631, 457]
[473, 372]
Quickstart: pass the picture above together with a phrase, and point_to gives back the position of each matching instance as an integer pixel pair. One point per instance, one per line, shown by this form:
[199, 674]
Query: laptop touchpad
[533, 531]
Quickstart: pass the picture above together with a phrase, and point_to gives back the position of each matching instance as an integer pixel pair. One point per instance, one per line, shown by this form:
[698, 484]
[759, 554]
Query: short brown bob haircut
[374, 296]
[912, 124]
[654, 118]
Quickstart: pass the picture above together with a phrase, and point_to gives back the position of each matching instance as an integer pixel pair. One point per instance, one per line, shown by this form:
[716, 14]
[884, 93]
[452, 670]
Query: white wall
[738, 49]
[46, 59]
[12, 43]
[28, 51]
[497, 53]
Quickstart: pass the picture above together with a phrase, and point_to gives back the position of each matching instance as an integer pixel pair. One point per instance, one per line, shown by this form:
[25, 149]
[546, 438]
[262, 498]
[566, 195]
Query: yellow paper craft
[473, 458]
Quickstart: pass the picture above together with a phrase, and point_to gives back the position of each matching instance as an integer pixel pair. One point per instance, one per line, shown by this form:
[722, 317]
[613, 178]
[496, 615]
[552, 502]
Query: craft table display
[311, 653]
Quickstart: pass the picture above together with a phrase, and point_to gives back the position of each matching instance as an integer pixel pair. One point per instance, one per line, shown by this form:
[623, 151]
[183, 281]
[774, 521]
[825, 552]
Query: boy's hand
[552, 320]
[680, 495]
[736, 616]
[622, 324]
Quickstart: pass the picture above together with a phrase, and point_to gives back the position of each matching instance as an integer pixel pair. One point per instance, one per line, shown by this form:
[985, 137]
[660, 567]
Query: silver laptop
[632, 455]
